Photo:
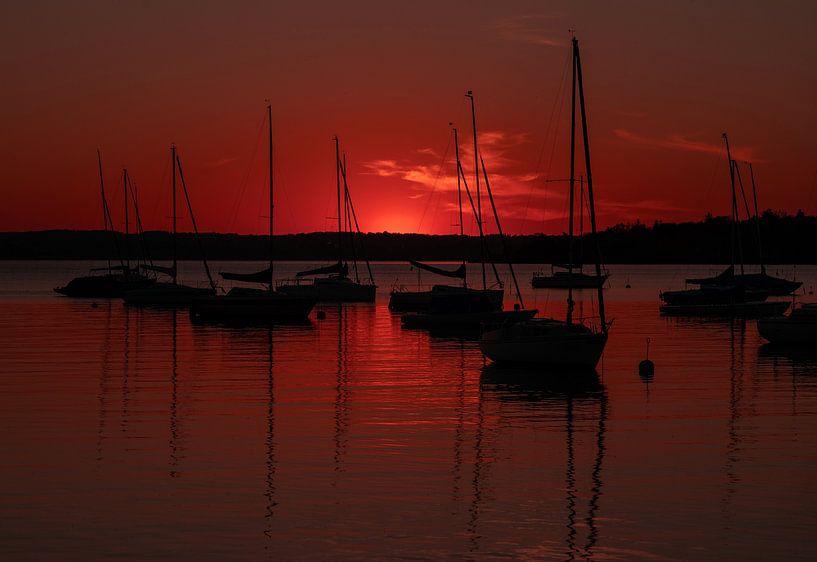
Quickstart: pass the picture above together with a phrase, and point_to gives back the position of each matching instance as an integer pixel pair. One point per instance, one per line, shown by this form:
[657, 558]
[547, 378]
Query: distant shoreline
[786, 239]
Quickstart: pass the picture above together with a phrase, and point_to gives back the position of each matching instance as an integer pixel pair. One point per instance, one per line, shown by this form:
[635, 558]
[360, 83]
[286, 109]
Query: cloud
[678, 142]
[529, 30]
[222, 161]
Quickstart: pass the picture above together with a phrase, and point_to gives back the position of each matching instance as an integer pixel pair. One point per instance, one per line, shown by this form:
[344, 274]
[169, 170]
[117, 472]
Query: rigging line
[501, 235]
[557, 102]
[158, 194]
[746, 205]
[142, 241]
[434, 185]
[357, 226]
[193, 221]
[717, 159]
[243, 186]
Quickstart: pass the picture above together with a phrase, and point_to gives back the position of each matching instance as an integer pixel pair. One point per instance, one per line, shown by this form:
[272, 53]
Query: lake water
[132, 433]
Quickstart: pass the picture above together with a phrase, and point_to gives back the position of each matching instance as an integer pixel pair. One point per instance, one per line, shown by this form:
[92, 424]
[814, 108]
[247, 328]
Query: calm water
[130, 433]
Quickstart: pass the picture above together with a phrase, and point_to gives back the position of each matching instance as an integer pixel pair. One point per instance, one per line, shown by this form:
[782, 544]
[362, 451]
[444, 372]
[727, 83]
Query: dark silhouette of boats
[173, 293]
[401, 300]
[567, 278]
[548, 342]
[252, 303]
[798, 328]
[463, 308]
[757, 282]
[114, 280]
[337, 286]
[565, 275]
[714, 300]
[731, 293]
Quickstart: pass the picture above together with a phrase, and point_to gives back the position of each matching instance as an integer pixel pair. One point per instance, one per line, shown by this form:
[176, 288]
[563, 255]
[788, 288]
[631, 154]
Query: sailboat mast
[757, 221]
[735, 233]
[589, 172]
[104, 203]
[340, 218]
[470, 96]
[572, 180]
[459, 201]
[127, 226]
[269, 122]
[173, 215]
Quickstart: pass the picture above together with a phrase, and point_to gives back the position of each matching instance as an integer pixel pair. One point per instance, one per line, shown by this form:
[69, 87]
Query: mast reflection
[572, 397]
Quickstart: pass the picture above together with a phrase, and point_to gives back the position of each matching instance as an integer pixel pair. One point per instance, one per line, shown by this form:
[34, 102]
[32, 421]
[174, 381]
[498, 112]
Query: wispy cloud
[529, 29]
[222, 161]
[679, 142]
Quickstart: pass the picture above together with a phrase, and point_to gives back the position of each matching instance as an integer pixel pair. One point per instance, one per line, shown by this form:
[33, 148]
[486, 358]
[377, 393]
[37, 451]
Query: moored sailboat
[547, 341]
[798, 328]
[566, 275]
[337, 285]
[401, 300]
[173, 293]
[252, 303]
[758, 282]
[114, 280]
[468, 310]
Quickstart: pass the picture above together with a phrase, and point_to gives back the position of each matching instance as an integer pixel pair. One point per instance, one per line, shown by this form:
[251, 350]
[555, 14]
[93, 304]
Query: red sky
[663, 81]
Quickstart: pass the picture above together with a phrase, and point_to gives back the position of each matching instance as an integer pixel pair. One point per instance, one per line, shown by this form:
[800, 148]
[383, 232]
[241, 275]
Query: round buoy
[627, 286]
[646, 368]
[321, 315]
[94, 305]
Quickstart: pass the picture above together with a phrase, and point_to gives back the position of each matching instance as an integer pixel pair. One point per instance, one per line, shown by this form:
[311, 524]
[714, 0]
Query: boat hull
[252, 305]
[104, 286]
[561, 346]
[463, 320]
[331, 290]
[758, 282]
[166, 294]
[566, 281]
[746, 309]
[421, 301]
[798, 328]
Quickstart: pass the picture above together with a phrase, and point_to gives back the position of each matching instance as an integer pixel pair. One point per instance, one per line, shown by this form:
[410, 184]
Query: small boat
[112, 281]
[462, 308]
[255, 304]
[570, 275]
[545, 341]
[402, 300]
[337, 286]
[420, 301]
[798, 328]
[757, 282]
[173, 293]
[564, 279]
[715, 300]
[548, 342]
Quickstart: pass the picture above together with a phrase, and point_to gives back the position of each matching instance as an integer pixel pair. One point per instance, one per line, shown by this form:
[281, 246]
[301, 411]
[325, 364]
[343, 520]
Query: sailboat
[565, 275]
[730, 293]
[114, 280]
[468, 310]
[337, 286]
[173, 293]
[760, 282]
[547, 341]
[417, 301]
[265, 304]
[798, 328]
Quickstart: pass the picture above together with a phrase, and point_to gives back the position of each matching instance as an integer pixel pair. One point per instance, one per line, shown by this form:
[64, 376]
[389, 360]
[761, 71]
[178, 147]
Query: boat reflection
[574, 399]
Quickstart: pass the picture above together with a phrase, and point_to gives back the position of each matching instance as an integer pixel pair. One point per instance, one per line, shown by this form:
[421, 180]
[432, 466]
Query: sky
[663, 81]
